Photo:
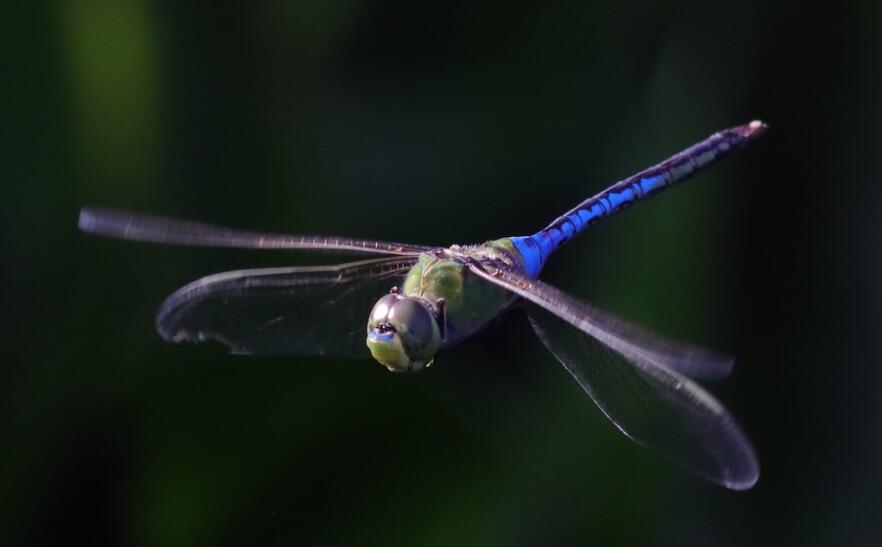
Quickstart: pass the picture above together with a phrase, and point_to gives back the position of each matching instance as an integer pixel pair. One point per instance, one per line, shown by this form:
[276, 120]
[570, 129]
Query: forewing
[652, 405]
[626, 338]
[306, 310]
[156, 229]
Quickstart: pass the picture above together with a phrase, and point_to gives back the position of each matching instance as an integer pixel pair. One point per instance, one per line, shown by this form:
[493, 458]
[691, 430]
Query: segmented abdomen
[536, 248]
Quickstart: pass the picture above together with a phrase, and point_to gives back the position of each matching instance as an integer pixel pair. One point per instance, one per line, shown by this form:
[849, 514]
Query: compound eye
[414, 317]
[381, 309]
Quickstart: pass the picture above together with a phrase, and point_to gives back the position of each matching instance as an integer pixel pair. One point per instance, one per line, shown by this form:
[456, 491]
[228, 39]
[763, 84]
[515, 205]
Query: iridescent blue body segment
[536, 249]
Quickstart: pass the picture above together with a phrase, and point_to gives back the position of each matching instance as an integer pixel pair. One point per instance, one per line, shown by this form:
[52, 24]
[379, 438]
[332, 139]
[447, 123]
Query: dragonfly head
[402, 333]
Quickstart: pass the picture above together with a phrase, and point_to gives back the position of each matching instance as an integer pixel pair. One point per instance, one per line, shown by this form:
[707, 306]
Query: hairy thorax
[464, 302]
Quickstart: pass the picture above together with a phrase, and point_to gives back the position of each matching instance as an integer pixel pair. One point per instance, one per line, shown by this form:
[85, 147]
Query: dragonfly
[408, 302]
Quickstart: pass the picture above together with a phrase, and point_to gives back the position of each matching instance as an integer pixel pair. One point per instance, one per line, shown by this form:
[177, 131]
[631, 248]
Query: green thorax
[469, 301]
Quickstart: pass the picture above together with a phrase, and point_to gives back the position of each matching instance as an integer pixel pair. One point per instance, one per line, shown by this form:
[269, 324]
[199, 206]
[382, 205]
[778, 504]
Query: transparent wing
[307, 310]
[156, 229]
[634, 385]
[624, 337]
[652, 405]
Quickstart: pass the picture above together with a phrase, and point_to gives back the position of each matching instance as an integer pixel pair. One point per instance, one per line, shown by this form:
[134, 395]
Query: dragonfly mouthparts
[383, 332]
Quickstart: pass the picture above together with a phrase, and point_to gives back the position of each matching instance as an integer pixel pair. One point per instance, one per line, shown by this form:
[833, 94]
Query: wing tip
[87, 220]
[743, 470]
[104, 222]
[165, 323]
[174, 334]
[745, 482]
[719, 367]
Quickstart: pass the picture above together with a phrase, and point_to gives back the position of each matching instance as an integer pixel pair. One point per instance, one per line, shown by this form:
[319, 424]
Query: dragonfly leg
[442, 316]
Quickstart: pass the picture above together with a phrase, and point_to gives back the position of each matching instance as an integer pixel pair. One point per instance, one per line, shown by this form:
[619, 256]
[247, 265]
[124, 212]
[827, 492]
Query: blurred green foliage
[436, 122]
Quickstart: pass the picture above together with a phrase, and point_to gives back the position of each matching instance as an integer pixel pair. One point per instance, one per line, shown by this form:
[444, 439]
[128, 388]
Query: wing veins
[622, 336]
[170, 231]
[281, 310]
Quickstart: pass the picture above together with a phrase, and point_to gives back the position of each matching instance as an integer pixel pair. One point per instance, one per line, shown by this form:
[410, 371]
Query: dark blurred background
[436, 122]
